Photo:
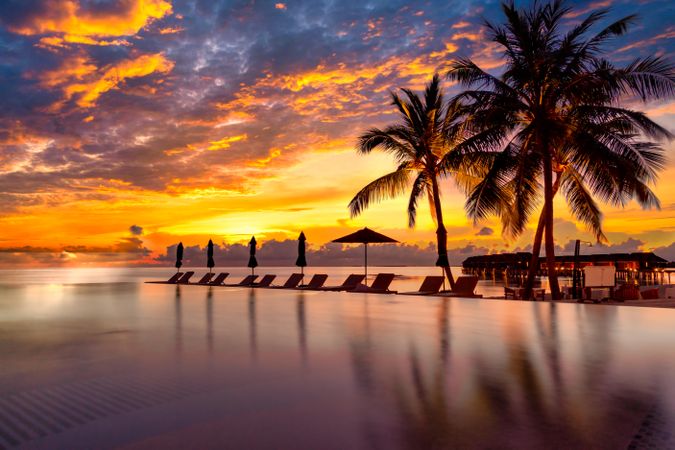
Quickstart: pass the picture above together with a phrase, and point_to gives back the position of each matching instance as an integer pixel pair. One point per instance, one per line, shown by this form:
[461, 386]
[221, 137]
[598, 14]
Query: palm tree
[554, 111]
[422, 145]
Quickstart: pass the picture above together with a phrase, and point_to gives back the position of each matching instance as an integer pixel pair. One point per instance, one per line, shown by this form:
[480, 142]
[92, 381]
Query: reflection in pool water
[134, 365]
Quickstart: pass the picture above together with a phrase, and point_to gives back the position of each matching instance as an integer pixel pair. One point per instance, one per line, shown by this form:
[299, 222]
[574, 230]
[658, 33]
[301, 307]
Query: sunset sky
[128, 125]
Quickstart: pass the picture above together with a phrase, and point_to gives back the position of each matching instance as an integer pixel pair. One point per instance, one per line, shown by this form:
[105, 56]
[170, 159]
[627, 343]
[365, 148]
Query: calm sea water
[94, 358]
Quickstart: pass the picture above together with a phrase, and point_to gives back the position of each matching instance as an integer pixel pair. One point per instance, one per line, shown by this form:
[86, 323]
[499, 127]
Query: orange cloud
[62, 42]
[15, 134]
[114, 75]
[171, 30]
[280, 6]
[76, 68]
[668, 34]
[449, 48]
[219, 121]
[661, 110]
[326, 90]
[68, 23]
[262, 162]
[467, 35]
[226, 141]
[591, 7]
[374, 28]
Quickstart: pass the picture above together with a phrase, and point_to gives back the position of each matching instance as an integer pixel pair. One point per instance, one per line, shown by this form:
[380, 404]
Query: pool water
[98, 359]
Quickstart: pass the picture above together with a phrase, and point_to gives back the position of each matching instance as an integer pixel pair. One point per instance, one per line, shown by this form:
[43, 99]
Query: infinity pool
[86, 363]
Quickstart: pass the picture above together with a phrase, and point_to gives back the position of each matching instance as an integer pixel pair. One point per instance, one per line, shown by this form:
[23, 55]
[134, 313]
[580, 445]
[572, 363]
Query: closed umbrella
[301, 261]
[442, 260]
[252, 262]
[210, 263]
[365, 236]
[179, 256]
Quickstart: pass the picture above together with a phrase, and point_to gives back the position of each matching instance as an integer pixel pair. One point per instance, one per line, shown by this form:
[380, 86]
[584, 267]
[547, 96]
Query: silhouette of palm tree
[554, 111]
[422, 144]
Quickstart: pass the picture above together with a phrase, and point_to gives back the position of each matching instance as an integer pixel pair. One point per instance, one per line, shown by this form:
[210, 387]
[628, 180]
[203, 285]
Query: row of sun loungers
[464, 286]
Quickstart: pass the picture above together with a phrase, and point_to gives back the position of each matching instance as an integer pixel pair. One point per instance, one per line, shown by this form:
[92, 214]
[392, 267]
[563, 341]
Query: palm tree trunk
[536, 246]
[441, 233]
[534, 261]
[549, 244]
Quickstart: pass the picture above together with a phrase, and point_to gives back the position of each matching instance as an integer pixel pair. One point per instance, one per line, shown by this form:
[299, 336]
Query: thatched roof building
[640, 261]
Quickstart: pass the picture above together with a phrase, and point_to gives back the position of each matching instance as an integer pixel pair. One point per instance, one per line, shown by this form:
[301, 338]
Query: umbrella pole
[365, 280]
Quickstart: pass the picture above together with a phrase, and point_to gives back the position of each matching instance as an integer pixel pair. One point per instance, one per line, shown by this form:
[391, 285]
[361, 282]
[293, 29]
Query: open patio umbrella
[210, 263]
[252, 262]
[301, 261]
[179, 256]
[365, 236]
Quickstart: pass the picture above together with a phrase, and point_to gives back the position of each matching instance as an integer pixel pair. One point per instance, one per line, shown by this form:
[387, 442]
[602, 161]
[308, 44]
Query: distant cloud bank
[130, 251]
[283, 253]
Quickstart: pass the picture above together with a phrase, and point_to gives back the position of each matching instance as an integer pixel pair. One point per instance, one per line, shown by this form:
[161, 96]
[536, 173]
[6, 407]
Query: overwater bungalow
[643, 267]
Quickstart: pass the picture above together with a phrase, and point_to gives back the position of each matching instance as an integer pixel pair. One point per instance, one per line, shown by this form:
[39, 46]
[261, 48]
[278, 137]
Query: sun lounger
[430, 286]
[514, 293]
[380, 285]
[206, 278]
[174, 278]
[624, 292]
[669, 292]
[464, 287]
[185, 279]
[650, 294]
[292, 282]
[350, 283]
[316, 282]
[517, 293]
[247, 281]
[264, 281]
[218, 281]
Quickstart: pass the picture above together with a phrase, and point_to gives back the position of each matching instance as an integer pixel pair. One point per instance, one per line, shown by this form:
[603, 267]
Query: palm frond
[650, 77]
[392, 141]
[604, 114]
[525, 190]
[581, 203]
[387, 186]
[432, 206]
[491, 195]
[420, 186]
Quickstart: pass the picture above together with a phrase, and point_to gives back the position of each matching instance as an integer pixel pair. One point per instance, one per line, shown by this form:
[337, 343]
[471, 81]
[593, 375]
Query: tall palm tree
[554, 112]
[422, 145]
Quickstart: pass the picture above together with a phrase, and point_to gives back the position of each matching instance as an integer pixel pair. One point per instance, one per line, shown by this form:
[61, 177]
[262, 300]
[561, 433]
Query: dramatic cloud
[485, 231]
[666, 252]
[124, 245]
[136, 230]
[284, 253]
[111, 77]
[70, 21]
[125, 251]
[630, 245]
[221, 118]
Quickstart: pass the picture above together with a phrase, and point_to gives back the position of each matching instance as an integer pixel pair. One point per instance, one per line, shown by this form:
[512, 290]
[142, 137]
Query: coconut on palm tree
[554, 113]
[422, 144]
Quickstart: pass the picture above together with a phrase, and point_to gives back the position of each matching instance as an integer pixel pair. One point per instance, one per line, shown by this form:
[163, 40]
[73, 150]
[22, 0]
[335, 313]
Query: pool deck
[650, 303]
[655, 303]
